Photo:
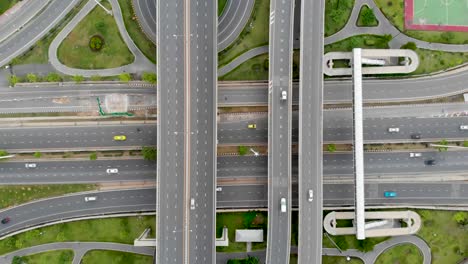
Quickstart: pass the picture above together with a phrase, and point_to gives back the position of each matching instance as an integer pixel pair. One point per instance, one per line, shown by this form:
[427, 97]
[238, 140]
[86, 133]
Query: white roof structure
[358, 147]
[249, 235]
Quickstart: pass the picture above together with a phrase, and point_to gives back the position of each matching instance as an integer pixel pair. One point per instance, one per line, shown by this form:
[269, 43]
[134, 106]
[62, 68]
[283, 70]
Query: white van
[192, 204]
[90, 198]
[30, 165]
[283, 205]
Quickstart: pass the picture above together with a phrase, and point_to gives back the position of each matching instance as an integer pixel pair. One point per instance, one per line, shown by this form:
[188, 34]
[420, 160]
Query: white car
[464, 127]
[311, 195]
[30, 165]
[284, 95]
[393, 129]
[111, 171]
[283, 205]
[415, 155]
[90, 199]
[219, 189]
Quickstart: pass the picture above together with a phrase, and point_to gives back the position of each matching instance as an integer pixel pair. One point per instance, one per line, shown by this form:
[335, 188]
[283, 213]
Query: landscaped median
[114, 257]
[49, 257]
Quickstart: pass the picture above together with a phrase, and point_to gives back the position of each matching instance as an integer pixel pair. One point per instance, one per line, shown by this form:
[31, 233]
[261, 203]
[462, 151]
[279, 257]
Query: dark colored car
[416, 136]
[431, 162]
[5, 220]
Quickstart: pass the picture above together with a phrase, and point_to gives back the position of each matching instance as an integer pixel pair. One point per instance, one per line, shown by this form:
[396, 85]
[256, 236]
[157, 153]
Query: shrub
[54, 77]
[31, 77]
[242, 150]
[125, 77]
[37, 154]
[93, 156]
[13, 80]
[410, 45]
[149, 77]
[96, 43]
[78, 78]
[96, 78]
[331, 147]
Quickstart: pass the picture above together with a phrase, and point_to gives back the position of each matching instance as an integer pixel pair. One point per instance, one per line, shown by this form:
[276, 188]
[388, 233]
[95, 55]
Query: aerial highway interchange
[184, 119]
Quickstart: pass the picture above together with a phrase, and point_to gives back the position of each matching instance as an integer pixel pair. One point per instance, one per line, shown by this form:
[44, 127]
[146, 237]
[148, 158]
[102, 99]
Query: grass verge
[141, 40]
[55, 256]
[244, 220]
[114, 257]
[337, 13]
[75, 52]
[12, 195]
[433, 61]
[360, 41]
[394, 11]
[221, 5]
[255, 34]
[366, 17]
[405, 253]
[124, 230]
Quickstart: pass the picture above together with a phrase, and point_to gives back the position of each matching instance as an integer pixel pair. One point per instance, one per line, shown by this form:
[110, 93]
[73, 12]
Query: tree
[242, 150]
[410, 45]
[149, 77]
[342, 242]
[54, 77]
[461, 218]
[93, 156]
[149, 153]
[367, 16]
[13, 80]
[445, 143]
[365, 245]
[125, 77]
[447, 36]
[31, 77]
[37, 154]
[17, 260]
[78, 78]
[3, 153]
[331, 147]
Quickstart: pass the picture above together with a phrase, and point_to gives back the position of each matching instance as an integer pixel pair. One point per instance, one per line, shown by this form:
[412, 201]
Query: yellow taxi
[252, 126]
[120, 138]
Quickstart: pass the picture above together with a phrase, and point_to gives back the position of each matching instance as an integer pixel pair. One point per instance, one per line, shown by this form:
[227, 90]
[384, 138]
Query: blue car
[390, 194]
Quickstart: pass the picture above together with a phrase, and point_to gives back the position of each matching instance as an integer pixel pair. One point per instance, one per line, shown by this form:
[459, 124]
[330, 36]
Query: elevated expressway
[279, 131]
[310, 132]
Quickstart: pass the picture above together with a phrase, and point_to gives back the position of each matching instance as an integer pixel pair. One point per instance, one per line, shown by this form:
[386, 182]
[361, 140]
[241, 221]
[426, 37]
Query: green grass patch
[360, 41]
[55, 256]
[350, 241]
[18, 194]
[131, 24]
[118, 230]
[39, 52]
[446, 238]
[221, 5]
[340, 260]
[255, 68]
[401, 254]
[366, 17]
[244, 220]
[75, 51]
[433, 61]
[337, 13]
[114, 257]
[255, 34]
[394, 11]
[6, 4]
[293, 259]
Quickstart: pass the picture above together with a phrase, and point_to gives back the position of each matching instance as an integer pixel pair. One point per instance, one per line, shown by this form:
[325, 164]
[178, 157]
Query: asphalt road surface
[66, 137]
[72, 206]
[311, 133]
[67, 172]
[232, 21]
[279, 131]
[201, 128]
[337, 127]
[172, 200]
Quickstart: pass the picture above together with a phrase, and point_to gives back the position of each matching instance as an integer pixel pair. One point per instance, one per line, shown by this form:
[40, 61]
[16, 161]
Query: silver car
[311, 195]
